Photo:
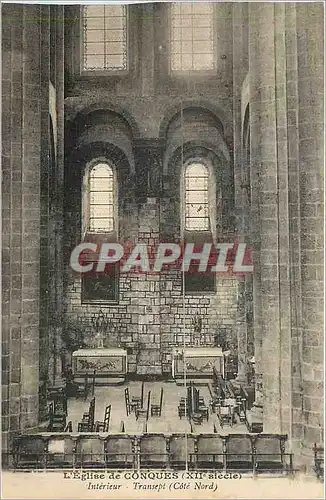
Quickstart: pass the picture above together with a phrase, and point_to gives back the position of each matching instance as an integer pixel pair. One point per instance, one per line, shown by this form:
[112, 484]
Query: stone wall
[152, 316]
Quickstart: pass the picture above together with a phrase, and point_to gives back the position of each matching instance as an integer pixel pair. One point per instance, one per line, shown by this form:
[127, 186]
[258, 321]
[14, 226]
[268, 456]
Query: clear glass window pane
[101, 225]
[196, 202]
[101, 198]
[198, 224]
[192, 35]
[94, 62]
[104, 37]
[203, 62]
[95, 36]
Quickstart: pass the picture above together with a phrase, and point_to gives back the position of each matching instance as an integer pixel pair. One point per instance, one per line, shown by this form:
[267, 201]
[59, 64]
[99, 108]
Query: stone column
[269, 167]
[59, 182]
[46, 253]
[311, 164]
[296, 430]
[254, 227]
[21, 216]
[31, 167]
[240, 58]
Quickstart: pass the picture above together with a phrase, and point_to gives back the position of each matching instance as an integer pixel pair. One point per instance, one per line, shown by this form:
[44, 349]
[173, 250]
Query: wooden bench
[269, 453]
[256, 453]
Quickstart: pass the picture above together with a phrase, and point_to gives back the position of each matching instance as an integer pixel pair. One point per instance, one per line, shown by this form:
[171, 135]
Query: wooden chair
[53, 391]
[183, 408]
[60, 404]
[203, 409]
[87, 422]
[319, 461]
[215, 396]
[81, 391]
[68, 427]
[57, 422]
[197, 417]
[139, 399]
[144, 412]
[225, 415]
[130, 406]
[104, 426]
[156, 409]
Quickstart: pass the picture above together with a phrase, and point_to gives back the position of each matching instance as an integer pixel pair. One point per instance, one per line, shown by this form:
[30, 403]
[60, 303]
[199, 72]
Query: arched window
[192, 39]
[105, 40]
[197, 217]
[101, 199]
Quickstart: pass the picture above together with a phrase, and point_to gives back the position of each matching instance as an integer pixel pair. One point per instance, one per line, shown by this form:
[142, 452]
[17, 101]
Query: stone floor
[169, 421]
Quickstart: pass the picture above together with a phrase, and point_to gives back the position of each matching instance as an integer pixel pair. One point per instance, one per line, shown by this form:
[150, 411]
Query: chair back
[148, 404]
[161, 400]
[127, 400]
[142, 395]
[107, 416]
[68, 427]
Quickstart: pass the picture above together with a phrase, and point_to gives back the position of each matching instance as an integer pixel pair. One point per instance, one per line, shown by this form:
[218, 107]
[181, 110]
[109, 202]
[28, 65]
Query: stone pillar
[310, 38]
[46, 262]
[254, 226]
[31, 167]
[59, 183]
[240, 58]
[296, 431]
[21, 217]
[11, 227]
[269, 166]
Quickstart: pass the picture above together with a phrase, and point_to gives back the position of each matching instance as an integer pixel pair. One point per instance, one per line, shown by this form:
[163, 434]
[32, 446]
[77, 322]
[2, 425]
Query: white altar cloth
[200, 361]
[106, 362]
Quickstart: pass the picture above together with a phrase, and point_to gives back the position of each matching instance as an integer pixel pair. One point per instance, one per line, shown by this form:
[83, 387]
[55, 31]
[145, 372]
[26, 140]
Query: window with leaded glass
[105, 38]
[192, 36]
[196, 197]
[101, 199]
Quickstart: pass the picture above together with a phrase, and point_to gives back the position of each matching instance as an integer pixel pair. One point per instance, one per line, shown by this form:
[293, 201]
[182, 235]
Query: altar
[200, 362]
[109, 364]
